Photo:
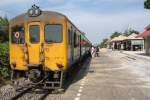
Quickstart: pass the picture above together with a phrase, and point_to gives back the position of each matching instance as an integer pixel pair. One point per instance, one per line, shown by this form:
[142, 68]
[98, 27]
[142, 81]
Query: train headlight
[34, 11]
[30, 12]
[37, 11]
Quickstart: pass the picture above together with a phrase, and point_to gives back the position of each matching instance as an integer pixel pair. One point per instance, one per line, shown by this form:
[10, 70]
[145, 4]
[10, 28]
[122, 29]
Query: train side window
[69, 36]
[53, 33]
[34, 32]
[18, 34]
[75, 39]
[78, 40]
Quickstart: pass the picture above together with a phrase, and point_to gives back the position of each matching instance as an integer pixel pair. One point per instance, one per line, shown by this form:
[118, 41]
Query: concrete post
[143, 45]
[131, 46]
[147, 43]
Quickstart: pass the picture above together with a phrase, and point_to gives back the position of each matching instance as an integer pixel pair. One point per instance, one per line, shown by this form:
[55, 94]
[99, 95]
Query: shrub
[4, 61]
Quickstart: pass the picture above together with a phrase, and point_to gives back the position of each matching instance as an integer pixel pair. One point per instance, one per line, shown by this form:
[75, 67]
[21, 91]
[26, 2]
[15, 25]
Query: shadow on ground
[144, 54]
[80, 71]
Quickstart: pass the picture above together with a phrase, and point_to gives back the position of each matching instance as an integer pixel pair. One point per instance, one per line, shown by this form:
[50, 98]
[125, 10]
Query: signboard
[17, 34]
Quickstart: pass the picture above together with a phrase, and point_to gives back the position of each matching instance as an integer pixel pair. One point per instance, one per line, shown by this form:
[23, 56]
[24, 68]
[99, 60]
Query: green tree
[129, 32]
[147, 4]
[103, 43]
[4, 60]
[115, 34]
[4, 29]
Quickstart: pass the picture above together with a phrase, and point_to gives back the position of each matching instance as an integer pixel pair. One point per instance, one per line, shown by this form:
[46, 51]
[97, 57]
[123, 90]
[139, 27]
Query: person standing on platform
[92, 51]
[97, 52]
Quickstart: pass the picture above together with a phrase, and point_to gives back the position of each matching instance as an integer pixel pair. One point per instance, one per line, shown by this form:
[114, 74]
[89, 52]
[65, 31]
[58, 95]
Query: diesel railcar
[44, 45]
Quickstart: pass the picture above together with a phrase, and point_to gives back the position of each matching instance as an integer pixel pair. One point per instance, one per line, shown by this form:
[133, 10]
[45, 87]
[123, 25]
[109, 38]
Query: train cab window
[34, 33]
[18, 34]
[53, 33]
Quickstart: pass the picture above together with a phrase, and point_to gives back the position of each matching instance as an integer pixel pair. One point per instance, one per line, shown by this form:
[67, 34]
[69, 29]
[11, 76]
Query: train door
[34, 42]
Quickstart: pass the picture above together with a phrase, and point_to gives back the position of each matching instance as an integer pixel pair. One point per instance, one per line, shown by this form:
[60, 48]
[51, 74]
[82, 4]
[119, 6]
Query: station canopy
[119, 38]
[133, 36]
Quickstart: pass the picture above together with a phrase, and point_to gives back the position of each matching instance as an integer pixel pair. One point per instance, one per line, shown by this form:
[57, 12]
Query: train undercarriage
[45, 79]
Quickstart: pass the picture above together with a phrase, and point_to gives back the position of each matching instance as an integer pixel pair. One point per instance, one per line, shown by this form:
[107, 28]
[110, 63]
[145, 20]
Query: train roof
[43, 16]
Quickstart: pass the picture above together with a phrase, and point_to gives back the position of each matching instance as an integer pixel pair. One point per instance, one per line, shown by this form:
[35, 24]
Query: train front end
[38, 47]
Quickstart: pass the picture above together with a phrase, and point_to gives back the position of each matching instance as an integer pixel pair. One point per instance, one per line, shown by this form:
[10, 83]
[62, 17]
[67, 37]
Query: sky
[97, 18]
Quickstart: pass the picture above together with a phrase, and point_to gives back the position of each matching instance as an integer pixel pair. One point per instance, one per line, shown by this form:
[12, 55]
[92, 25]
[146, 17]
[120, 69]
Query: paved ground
[138, 54]
[112, 76]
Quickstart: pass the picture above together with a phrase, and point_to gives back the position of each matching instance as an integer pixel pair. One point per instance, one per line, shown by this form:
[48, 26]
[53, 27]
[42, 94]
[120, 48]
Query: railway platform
[112, 76]
[138, 54]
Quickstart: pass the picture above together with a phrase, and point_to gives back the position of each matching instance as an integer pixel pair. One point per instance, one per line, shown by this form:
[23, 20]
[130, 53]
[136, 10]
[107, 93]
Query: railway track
[21, 93]
[31, 92]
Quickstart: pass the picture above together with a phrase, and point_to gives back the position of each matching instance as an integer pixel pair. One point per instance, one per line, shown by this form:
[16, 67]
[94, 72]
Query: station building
[134, 43]
[117, 43]
[129, 43]
[146, 36]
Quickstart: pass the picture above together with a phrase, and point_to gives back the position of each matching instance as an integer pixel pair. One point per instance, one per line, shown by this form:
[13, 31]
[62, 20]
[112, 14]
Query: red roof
[144, 34]
[147, 27]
